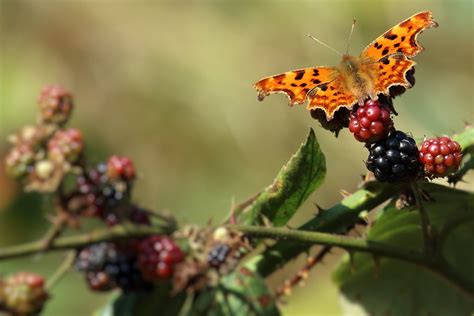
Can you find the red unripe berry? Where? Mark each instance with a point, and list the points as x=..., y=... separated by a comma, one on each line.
x=157, y=256
x=373, y=112
x=120, y=168
x=66, y=145
x=55, y=104
x=440, y=156
x=371, y=122
x=23, y=293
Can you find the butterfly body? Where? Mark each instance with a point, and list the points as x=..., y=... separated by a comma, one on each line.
x=357, y=76
x=382, y=64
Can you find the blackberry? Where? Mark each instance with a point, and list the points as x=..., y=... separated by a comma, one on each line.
x=120, y=168
x=23, y=293
x=157, y=257
x=440, y=156
x=218, y=255
x=107, y=266
x=370, y=122
x=394, y=159
x=125, y=273
x=55, y=104
x=102, y=197
x=66, y=145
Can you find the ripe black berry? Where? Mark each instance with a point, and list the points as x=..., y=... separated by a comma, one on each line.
x=102, y=196
x=106, y=265
x=394, y=159
x=218, y=255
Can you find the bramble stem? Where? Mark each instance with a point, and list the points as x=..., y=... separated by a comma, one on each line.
x=78, y=241
x=61, y=271
x=54, y=231
x=438, y=266
x=425, y=221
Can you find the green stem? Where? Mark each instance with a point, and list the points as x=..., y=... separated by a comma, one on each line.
x=79, y=241
x=425, y=221
x=61, y=271
x=439, y=267
x=336, y=219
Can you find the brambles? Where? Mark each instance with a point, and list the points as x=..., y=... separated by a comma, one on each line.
x=144, y=251
x=371, y=122
x=440, y=156
x=394, y=159
x=157, y=256
x=22, y=293
x=108, y=265
x=44, y=154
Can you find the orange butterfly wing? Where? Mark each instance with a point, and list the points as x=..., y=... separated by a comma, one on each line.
x=389, y=55
x=392, y=71
x=296, y=84
x=331, y=97
x=400, y=39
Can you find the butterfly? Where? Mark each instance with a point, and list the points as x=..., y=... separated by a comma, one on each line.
x=382, y=64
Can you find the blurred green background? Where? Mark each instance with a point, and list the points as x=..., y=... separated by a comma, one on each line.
x=169, y=84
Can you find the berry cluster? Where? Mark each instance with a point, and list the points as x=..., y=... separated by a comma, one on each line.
x=130, y=266
x=394, y=158
x=218, y=255
x=42, y=155
x=440, y=156
x=55, y=105
x=156, y=257
x=103, y=196
x=108, y=265
x=370, y=122
x=22, y=293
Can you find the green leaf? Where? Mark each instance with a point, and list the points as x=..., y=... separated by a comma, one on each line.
x=294, y=183
x=392, y=287
x=157, y=302
x=241, y=293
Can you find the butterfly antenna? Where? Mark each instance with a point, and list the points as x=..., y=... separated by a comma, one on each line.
x=324, y=44
x=350, y=36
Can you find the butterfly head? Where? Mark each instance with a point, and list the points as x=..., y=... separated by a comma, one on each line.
x=349, y=64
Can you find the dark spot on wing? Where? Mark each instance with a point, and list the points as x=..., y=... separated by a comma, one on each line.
x=299, y=74
x=316, y=81
x=403, y=38
x=396, y=45
x=315, y=72
x=385, y=51
x=390, y=36
x=386, y=61
x=294, y=85
x=323, y=88
x=303, y=85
